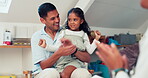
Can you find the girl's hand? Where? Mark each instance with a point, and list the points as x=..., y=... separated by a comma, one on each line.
x=97, y=34
x=42, y=43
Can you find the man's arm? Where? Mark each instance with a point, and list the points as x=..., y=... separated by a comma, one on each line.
x=49, y=62
x=83, y=56
x=64, y=50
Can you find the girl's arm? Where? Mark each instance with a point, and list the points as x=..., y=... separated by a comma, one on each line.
x=90, y=47
x=54, y=47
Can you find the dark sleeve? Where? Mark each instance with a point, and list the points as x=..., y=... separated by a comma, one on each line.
x=132, y=53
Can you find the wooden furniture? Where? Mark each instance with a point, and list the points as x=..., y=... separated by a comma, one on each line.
x=28, y=74
x=12, y=46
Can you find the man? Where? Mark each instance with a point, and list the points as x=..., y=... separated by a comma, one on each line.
x=118, y=64
x=45, y=61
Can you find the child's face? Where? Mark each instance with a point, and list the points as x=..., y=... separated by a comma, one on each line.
x=74, y=22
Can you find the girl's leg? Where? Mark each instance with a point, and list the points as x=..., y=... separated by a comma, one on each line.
x=66, y=73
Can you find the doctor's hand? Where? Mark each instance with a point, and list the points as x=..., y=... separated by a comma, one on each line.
x=111, y=56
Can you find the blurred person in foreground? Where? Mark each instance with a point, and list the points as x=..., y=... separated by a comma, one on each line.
x=118, y=64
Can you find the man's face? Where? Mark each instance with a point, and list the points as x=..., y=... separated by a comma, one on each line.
x=52, y=20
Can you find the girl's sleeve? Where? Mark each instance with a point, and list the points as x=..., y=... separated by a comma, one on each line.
x=90, y=47
x=51, y=48
x=54, y=47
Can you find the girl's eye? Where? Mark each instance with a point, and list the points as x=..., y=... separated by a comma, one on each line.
x=68, y=19
x=75, y=19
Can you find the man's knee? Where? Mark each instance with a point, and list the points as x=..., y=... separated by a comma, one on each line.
x=80, y=73
x=48, y=73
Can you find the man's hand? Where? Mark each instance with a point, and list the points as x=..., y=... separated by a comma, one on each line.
x=42, y=43
x=67, y=48
x=66, y=42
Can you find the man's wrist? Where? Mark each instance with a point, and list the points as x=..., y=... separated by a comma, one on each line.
x=73, y=54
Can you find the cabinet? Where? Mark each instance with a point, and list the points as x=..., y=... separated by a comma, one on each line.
x=15, y=59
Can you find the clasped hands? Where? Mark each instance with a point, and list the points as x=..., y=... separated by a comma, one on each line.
x=67, y=48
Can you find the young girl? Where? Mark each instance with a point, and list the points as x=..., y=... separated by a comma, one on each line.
x=77, y=31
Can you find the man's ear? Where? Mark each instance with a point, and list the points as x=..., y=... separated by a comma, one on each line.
x=42, y=20
x=82, y=21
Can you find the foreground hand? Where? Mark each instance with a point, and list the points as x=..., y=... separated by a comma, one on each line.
x=111, y=56
x=42, y=43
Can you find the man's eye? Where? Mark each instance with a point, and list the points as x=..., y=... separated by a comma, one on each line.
x=58, y=16
x=52, y=18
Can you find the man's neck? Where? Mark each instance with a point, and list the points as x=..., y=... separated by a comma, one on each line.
x=51, y=33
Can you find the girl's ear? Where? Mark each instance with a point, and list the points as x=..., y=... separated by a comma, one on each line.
x=42, y=20
x=82, y=21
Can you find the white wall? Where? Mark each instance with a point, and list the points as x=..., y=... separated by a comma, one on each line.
x=21, y=30
x=112, y=31
x=144, y=27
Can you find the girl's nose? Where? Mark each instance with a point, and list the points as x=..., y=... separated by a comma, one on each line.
x=71, y=21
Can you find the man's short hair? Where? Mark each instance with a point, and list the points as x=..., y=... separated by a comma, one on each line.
x=45, y=8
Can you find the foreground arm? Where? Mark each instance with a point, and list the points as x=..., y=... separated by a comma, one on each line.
x=144, y=3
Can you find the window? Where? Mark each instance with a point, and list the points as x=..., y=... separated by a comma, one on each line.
x=4, y=6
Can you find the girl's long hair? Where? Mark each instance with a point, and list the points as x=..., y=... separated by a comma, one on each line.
x=84, y=26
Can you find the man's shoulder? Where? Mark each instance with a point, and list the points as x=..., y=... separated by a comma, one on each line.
x=37, y=33
x=61, y=29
